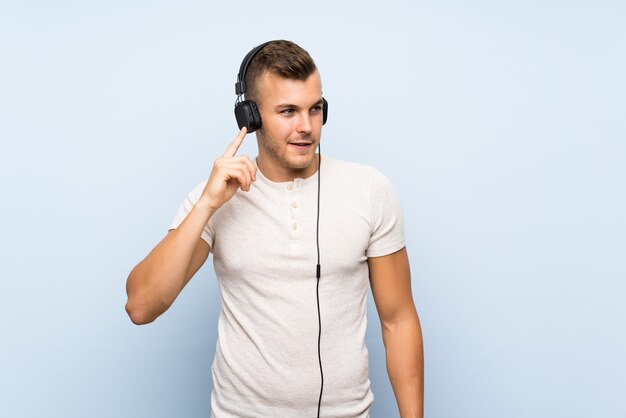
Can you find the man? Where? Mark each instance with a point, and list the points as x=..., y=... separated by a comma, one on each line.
x=291, y=340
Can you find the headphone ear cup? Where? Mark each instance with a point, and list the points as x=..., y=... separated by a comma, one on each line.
x=247, y=114
x=324, y=111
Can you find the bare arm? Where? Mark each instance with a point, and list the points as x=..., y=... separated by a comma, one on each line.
x=158, y=279
x=390, y=279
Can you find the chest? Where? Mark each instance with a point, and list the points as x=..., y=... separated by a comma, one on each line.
x=279, y=228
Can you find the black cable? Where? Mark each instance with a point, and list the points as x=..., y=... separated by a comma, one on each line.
x=318, y=275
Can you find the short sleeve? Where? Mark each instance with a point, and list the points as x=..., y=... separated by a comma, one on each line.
x=386, y=219
x=184, y=209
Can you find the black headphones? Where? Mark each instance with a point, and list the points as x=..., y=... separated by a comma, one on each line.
x=246, y=111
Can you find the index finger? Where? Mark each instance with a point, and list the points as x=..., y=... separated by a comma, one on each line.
x=234, y=146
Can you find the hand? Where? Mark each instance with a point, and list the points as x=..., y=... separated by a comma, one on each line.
x=230, y=172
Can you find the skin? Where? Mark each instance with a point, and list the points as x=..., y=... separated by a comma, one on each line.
x=292, y=114
x=390, y=280
x=291, y=111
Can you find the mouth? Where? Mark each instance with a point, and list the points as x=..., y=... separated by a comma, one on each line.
x=301, y=144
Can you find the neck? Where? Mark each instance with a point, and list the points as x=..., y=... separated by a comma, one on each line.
x=281, y=174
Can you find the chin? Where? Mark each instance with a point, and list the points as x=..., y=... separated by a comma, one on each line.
x=302, y=162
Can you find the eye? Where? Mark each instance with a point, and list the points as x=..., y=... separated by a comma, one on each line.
x=316, y=109
x=287, y=112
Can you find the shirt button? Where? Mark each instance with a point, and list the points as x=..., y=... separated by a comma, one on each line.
x=290, y=187
x=294, y=226
x=294, y=205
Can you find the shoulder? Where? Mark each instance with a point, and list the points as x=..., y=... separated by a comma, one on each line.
x=193, y=195
x=199, y=188
x=335, y=165
x=354, y=173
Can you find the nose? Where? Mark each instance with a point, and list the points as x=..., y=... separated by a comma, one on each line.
x=304, y=123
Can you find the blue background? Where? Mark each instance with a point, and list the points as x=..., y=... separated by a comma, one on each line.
x=501, y=124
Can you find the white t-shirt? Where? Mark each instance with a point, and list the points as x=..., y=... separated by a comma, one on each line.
x=264, y=253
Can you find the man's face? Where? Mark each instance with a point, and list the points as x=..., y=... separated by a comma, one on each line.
x=291, y=114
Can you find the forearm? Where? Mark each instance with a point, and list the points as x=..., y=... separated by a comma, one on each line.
x=405, y=365
x=156, y=281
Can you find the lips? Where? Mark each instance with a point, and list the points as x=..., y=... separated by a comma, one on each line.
x=301, y=144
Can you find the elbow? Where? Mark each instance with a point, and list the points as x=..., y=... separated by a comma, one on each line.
x=136, y=306
x=137, y=315
x=401, y=323
x=144, y=303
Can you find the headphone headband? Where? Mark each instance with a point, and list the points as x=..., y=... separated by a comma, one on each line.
x=240, y=85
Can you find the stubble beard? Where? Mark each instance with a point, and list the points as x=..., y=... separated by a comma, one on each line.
x=273, y=151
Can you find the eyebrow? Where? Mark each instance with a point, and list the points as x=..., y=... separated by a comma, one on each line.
x=287, y=105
